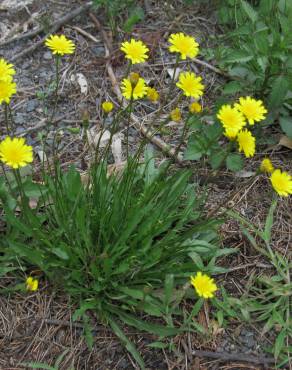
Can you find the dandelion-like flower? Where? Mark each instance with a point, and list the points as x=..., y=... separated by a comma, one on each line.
x=107, y=106
x=136, y=92
x=175, y=115
x=266, y=166
x=183, y=44
x=190, y=84
x=152, y=94
x=232, y=120
x=135, y=50
x=7, y=89
x=204, y=285
x=31, y=284
x=246, y=142
x=6, y=70
x=15, y=153
x=60, y=45
x=195, y=107
x=253, y=109
x=281, y=182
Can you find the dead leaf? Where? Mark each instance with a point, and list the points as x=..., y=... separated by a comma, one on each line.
x=82, y=82
x=170, y=72
x=286, y=142
x=96, y=138
x=244, y=174
x=117, y=147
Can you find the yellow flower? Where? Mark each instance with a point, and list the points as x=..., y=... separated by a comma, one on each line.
x=6, y=70
x=175, y=115
x=246, y=142
x=7, y=89
x=107, y=106
x=135, y=50
x=190, y=84
x=204, y=285
x=32, y=284
x=152, y=94
x=195, y=107
x=60, y=45
x=183, y=44
x=266, y=166
x=137, y=92
x=15, y=153
x=281, y=182
x=253, y=109
x=232, y=120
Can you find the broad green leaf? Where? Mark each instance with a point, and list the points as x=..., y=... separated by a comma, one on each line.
x=232, y=88
x=234, y=162
x=249, y=10
x=194, y=149
x=279, y=90
x=217, y=159
x=286, y=125
x=238, y=56
x=60, y=253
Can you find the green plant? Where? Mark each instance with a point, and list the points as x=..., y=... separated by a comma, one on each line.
x=112, y=243
x=256, y=52
x=267, y=298
x=125, y=12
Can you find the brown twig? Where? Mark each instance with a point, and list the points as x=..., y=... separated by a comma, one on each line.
x=136, y=121
x=225, y=356
x=59, y=23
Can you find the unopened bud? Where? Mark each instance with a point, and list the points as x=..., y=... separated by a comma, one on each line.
x=134, y=78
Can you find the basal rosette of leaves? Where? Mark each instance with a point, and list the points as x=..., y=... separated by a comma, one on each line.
x=111, y=245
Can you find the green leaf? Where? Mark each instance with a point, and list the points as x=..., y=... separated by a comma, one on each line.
x=194, y=149
x=238, y=56
x=160, y=345
x=129, y=345
x=269, y=222
x=250, y=12
x=232, y=88
x=286, y=125
x=279, y=344
x=234, y=162
x=279, y=90
x=60, y=253
x=136, y=15
x=216, y=159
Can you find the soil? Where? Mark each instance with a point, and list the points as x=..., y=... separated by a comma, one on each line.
x=39, y=327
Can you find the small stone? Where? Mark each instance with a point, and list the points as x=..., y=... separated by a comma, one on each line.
x=32, y=105
x=19, y=118
x=48, y=55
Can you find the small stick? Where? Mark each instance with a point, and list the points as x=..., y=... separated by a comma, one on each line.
x=67, y=18
x=225, y=356
x=137, y=124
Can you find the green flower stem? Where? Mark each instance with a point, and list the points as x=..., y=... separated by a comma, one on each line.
x=183, y=135
x=173, y=77
x=130, y=109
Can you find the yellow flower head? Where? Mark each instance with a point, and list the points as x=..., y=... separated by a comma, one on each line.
x=152, y=94
x=195, y=107
x=190, y=84
x=281, y=182
x=135, y=50
x=107, y=106
x=183, y=44
x=266, y=166
x=246, y=142
x=15, y=153
x=232, y=120
x=204, y=285
x=175, y=115
x=253, y=109
x=6, y=70
x=7, y=89
x=32, y=284
x=60, y=44
x=136, y=92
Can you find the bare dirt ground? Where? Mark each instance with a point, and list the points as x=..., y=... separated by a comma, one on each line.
x=39, y=327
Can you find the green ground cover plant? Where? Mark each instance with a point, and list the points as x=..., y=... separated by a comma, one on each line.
x=255, y=50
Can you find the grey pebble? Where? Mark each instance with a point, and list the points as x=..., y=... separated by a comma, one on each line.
x=48, y=55
x=19, y=118
x=32, y=105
